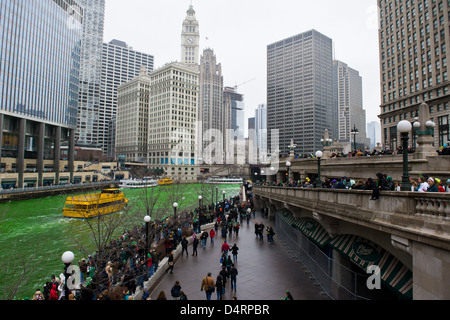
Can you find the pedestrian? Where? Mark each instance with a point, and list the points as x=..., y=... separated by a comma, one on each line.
x=208, y=285
x=171, y=263
x=212, y=234
x=288, y=296
x=219, y=287
x=256, y=229
x=261, y=231
x=194, y=246
x=437, y=181
x=224, y=231
x=234, y=252
x=431, y=185
x=237, y=226
x=381, y=185
x=38, y=295
x=228, y=263
x=149, y=265
x=176, y=290
x=224, y=273
x=447, y=187
x=161, y=295
x=225, y=247
x=155, y=260
x=204, y=237
x=184, y=245
x=233, y=273
x=270, y=234
x=54, y=292
x=423, y=185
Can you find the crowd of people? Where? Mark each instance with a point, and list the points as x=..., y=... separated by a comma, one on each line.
x=423, y=183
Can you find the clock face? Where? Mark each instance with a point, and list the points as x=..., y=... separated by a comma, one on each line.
x=189, y=40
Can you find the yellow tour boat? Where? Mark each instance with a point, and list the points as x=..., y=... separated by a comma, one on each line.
x=165, y=181
x=93, y=205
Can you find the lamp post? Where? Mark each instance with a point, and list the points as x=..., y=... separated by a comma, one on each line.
x=224, y=192
x=217, y=193
x=319, y=155
x=288, y=165
x=200, y=202
x=404, y=127
x=175, y=205
x=147, y=220
x=354, y=132
x=67, y=259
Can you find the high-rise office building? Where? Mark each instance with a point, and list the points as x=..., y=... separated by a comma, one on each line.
x=300, y=91
x=190, y=38
x=39, y=79
x=120, y=63
x=211, y=111
x=173, y=120
x=261, y=128
x=374, y=133
x=235, y=102
x=413, y=39
x=87, y=133
x=348, y=105
x=132, y=122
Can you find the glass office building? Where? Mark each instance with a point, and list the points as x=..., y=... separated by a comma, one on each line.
x=39, y=79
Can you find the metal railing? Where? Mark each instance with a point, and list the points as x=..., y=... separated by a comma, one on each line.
x=55, y=187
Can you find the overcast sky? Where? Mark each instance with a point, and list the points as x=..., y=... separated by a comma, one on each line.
x=239, y=31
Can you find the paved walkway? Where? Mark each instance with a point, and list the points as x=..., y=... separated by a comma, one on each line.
x=266, y=270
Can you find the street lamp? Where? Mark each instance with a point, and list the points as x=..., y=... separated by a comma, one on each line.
x=175, y=205
x=354, y=132
x=288, y=164
x=217, y=192
x=404, y=127
x=319, y=155
x=67, y=259
x=147, y=220
x=200, y=202
x=223, y=192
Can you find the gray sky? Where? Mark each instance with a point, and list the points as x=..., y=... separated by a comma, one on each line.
x=239, y=31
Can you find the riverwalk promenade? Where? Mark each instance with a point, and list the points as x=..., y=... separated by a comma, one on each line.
x=265, y=271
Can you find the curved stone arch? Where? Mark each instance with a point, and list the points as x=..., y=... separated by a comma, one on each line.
x=360, y=251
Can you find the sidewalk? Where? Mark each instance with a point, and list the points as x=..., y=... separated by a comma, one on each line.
x=266, y=270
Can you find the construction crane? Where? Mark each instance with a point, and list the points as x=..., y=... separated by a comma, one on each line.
x=241, y=84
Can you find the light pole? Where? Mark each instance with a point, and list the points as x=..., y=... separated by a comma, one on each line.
x=288, y=165
x=175, y=205
x=404, y=127
x=224, y=192
x=217, y=193
x=147, y=220
x=354, y=132
x=67, y=259
x=319, y=155
x=200, y=202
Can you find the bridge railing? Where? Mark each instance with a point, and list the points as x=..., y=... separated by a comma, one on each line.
x=432, y=205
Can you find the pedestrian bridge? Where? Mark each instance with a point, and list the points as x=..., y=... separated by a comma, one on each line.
x=405, y=234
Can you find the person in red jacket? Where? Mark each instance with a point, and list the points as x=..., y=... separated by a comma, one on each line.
x=54, y=293
x=225, y=247
x=212, y=234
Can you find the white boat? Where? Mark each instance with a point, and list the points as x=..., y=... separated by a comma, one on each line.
x=137, y=183
x=224, y=180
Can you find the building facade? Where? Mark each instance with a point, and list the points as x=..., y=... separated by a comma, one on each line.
x=348, y=106
x=211, y=111
x=120, y=63
x=173, y=109
x=261, y=128
x=87, y=133
x=300, y=91
x=132, y=122
x=413, y=40
x=39, y=81
x=234, y=102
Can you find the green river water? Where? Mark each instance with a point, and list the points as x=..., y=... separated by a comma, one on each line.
x=34, y=232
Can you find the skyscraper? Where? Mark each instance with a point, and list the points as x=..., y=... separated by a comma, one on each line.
x=39, y=79
x=132, y=122
x=413, y=39
x=348, y=104
x=211, y=111
x=234, y=101
x=261, y=128
x=173, y=120
x=87, y=133
x=120, y=63
x=300, y=91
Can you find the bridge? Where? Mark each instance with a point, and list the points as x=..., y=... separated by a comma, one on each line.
x=404, y=234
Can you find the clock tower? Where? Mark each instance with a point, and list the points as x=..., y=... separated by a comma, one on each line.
x=190, y=39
